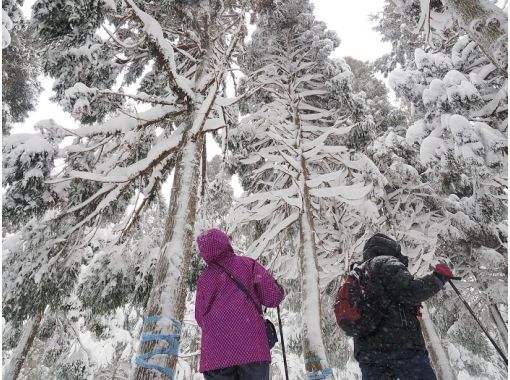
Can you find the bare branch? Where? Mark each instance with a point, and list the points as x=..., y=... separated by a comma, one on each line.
x=123, y=44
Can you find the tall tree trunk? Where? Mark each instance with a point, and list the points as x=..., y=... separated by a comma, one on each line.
x=486, y=24
x=168, y=295
x=20, y=353
x=194, y=347
x=169, y=289
x=314, y=353
x=438, y=355
x=500, y=324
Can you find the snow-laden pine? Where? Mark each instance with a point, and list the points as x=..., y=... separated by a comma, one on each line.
x=455, y=94
x=90, y=247
x=290, y=147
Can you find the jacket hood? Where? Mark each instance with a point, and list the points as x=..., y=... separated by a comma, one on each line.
x=381, y=245
x=214, y=245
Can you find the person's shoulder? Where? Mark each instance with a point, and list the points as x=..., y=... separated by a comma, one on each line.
x=384, y=264
x=383, y=260
x=243, y=261
x=250, y=263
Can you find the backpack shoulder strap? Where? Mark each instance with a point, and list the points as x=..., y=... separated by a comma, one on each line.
x=241, y=287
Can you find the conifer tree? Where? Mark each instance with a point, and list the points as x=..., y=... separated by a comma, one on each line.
x=288, y=143
x=20, y=66
x=454, y=93
x=120, y=152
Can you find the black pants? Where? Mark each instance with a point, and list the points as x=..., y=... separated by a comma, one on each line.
x=402, y=365
x=249, y=371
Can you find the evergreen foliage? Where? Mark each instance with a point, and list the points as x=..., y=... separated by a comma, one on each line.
x=20, y=67
x=90, y=246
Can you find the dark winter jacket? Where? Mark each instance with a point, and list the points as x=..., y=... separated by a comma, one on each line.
x=392, y=299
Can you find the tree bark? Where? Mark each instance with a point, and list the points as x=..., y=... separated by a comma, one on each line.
x=438, y=355
x=486, y=24
x=314, y=353
x=169, y=291
x=20, y=353
x=194, y=360
x=171, y=274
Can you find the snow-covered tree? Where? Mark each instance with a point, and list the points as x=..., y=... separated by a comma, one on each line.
x=20, y=66
x=286, y=143
x=397, y=25
x=459, y=122
x=456, y=97
x=373, y=95
x=181, y=60
x=92, y=258
x=218, y=195
x=28, y=162
x=485, y=23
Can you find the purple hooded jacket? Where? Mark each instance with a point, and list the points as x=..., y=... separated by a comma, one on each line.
x=233, y=331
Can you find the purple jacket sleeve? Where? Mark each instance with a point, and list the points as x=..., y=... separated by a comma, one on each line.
x=266, y=287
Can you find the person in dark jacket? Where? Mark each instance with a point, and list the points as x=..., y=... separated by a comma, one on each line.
x=394, y=348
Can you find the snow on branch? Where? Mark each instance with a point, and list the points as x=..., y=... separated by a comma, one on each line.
x=122, y=43
x=316, y=115
x=110, y=197
x=250, y=160
x=98, y=177
x=271, y=232
x=278, y=138
x=154, y=181
x=125, y=123
x=284, y=194
x=317, y=180
x=104, y=190
x=227, y=102
x=142, y=97
x=260, y=212
x=311, y=147
x=157, y=153
x=291, y=160
x=214, y=125
x=271, y=167
x=205, y=108
x=306, y=93
x=181, y=85
x=276, y=158
x=352, y=194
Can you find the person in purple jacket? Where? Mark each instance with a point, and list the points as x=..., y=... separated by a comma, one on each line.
x=234, y=342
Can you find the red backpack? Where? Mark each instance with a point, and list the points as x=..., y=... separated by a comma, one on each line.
x=350, y=299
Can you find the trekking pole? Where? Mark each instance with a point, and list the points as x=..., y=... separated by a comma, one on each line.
x=479, y=323
x=283, y=344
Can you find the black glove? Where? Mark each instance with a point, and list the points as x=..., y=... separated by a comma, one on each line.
x=444, y=273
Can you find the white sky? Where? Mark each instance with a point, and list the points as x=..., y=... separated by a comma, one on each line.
x=350, y=19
